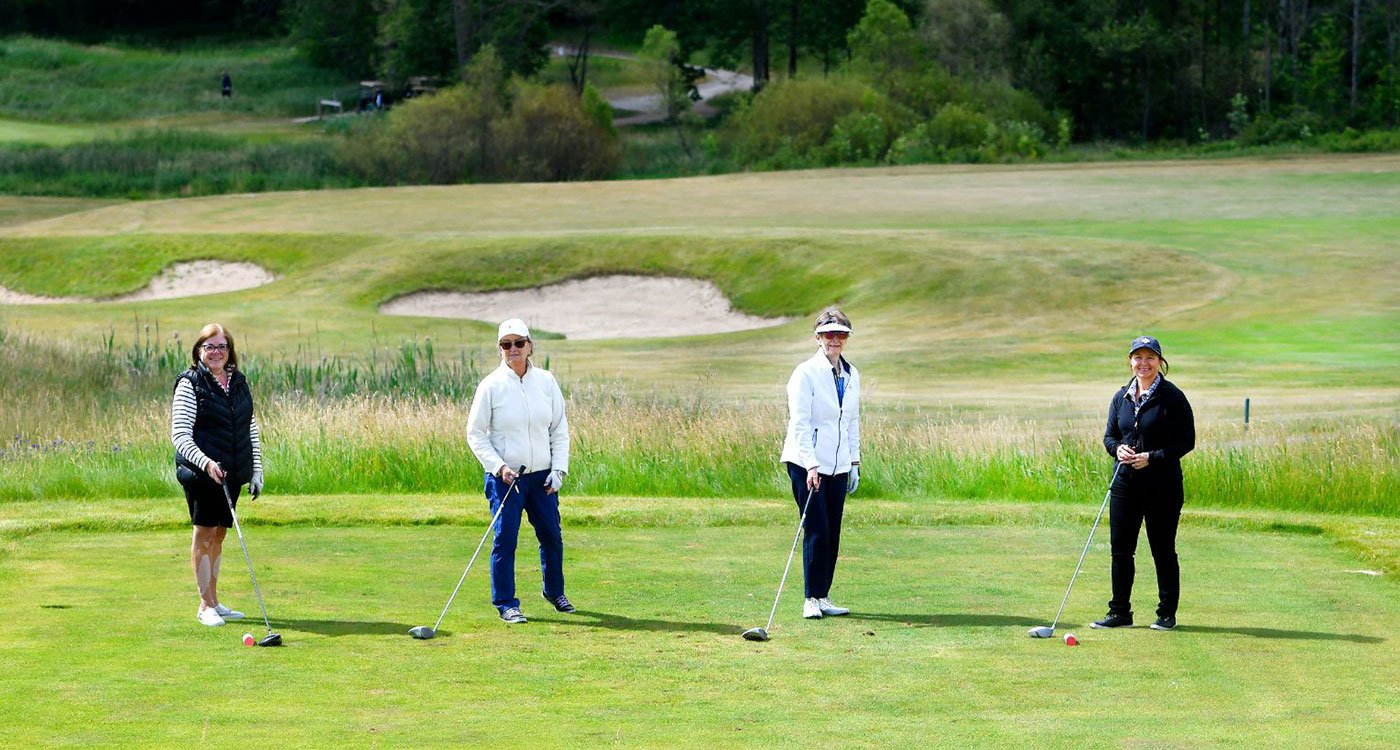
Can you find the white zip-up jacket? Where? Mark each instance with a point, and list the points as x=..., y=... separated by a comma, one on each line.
x=515, y=421
x=822, y=432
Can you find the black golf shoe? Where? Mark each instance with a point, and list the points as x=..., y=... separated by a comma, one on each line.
x=1112, y=620
x=561, y=603
x=1164, y=623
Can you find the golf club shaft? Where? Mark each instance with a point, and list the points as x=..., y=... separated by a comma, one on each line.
x=801, y=520
x=246, y=558
x=479, y=545
x=1087, y=542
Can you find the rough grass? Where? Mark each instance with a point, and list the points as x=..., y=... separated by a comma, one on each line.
x=62, y=82
x=653, y=658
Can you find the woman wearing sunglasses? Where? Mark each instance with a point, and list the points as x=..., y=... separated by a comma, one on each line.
x=517, y=419
x=216, y=444
x=822, y=454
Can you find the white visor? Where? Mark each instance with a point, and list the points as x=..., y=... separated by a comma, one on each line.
x=832, y=326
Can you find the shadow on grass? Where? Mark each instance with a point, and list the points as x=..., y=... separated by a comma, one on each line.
x=590, y=619
x=1293, y=635
x=968, y=620
x=947, y=620
x=339, y=627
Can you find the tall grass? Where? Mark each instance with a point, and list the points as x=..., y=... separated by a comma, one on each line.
x=58, y=81
x=172, y=163
x=396, y=425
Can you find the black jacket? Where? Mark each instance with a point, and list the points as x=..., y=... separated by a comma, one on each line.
x=221, y=426
x=1164, y=427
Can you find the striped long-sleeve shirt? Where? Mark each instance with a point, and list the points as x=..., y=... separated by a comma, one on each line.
x=183, y=411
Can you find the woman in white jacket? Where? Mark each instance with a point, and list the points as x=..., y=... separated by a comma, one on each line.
x=822, y=454
x=517, y=419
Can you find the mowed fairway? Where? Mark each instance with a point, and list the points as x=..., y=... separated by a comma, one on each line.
x=992, y=306
x=1285, y=645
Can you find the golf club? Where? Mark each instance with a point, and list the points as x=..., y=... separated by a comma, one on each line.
x=1048, y=631
x=271, y=639
x=761, y=634
x=423, y=632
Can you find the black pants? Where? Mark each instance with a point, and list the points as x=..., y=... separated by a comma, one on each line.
x=1127, y=511
x=821, y=539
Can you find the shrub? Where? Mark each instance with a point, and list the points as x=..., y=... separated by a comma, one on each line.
x=1266, y=129
x=549, y=136
x=858, y=137
x=956, y=127
x=789, y=122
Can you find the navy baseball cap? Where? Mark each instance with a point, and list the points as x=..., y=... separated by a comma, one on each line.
x=1146, y=342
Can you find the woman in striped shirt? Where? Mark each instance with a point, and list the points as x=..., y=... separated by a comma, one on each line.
x=216, y=443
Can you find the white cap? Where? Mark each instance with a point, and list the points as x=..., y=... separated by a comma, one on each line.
x=513, y=326
x=832, y=326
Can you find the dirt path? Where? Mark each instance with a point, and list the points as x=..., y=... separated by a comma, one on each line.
x=648, y=106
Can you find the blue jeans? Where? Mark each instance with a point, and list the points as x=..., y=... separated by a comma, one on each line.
x=543, y=511
x=821, y=540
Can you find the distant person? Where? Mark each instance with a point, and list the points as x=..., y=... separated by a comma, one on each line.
x=1150, y=427
x=216, y=444
x=822, y=454
x=226, y=84
x=517, y=419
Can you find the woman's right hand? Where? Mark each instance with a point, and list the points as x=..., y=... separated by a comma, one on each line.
x=215, y=472
x=1126, y=454
x=508, y=475
x=813, y=480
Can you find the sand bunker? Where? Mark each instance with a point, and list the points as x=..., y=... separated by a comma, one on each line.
x=185, y=279
x=605, y=307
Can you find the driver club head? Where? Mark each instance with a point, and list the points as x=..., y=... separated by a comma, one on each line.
x=422, y=632
x=755, y=634
x=1044, y=631
x=271, y=639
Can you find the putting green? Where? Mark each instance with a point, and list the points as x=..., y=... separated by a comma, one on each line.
x=1281, y=644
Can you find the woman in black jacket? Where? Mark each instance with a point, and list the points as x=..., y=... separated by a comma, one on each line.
x=1150, y=427
x=216, y=444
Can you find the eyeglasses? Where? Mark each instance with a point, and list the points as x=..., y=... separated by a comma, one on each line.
x=517, y=343
x=839, y=335
x=214, y=347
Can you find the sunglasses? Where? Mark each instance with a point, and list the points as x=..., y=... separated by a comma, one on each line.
x=829, y=335
x=518, y=344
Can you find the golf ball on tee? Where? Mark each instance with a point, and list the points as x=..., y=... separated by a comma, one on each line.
x=247, y=639
x=1070, y=640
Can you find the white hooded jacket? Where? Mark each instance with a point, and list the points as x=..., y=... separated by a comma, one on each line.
x=822, y=431
x=519, y=420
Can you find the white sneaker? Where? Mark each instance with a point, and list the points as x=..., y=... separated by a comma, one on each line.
x=825, y=605
x=208, y=616
x=811, y=609
x=228, y=614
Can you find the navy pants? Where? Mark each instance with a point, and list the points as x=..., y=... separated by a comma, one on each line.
x=1128, y=511
x=821, y=540
x=543, y=511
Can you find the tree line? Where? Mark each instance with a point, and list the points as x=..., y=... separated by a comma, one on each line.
x=1115, y=69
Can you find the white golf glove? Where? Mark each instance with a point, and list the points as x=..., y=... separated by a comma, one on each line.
x=853, y=481
x=255, y=486
x=554, y=481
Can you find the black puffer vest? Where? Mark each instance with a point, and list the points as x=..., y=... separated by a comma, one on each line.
x=221, y=425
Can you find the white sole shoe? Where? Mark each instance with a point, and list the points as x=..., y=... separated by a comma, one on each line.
x=209, y=617
x=831, y=610
x=228, y=614
x=811, y=610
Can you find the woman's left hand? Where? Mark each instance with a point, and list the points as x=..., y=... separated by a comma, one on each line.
x=1139, y=460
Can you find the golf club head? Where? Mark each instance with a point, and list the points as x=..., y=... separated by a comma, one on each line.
x=1044, y=631
x=755, y=634
x=422, y=632
x=272, y=639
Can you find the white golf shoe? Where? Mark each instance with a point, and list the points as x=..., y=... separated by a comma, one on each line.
x=831, y=610
x=228, y=614
x=812, y=609
x=207, y=616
